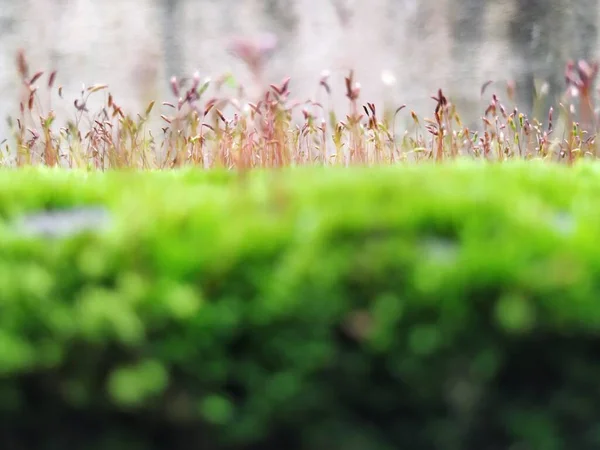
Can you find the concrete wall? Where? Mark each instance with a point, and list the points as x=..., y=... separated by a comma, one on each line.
x=136, y=45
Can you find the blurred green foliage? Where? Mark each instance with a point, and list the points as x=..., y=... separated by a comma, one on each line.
x=431, y=307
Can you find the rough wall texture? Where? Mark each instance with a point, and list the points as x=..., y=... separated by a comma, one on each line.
x=136, y=45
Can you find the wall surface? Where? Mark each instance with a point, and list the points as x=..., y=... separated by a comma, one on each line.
x=134, y=46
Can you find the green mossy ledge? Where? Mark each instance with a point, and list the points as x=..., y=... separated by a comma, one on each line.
x=433, y=307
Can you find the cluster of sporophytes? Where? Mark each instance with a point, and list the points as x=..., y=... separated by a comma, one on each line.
x=232, y=132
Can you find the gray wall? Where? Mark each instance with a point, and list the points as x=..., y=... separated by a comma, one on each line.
x=136, y=45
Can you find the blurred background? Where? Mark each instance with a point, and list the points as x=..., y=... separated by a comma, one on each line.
x=402, y=50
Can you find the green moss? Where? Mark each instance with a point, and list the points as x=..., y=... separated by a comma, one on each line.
x=423, y=307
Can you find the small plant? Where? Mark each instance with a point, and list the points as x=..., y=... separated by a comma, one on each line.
x=218, y=128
